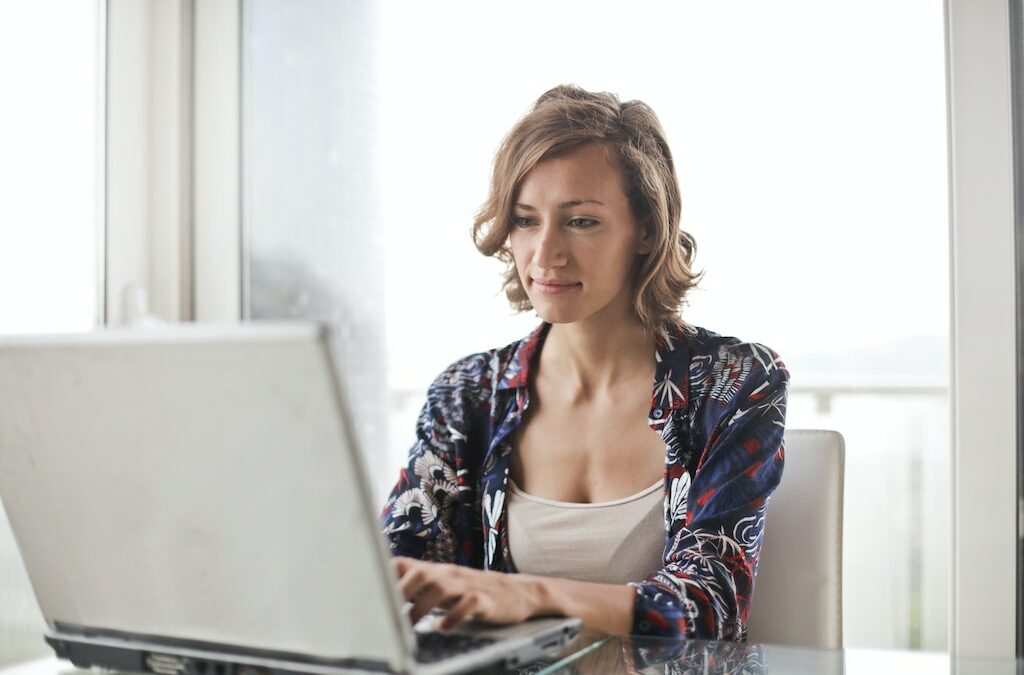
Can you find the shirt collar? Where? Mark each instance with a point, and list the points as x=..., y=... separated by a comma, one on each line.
x=671, y=374
x=517, y=372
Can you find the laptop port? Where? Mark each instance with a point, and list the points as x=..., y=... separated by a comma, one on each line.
x=167, y=664
x=251, y=670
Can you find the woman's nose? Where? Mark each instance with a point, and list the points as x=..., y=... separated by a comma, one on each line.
x=550, y=251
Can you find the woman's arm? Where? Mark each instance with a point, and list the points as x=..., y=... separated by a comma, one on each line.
x=429, y=514
x=605, y=608
x=705, y=588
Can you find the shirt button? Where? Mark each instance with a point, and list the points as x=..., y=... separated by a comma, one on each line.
x=658, y=414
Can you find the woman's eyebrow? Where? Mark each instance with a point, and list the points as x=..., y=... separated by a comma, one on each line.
x=564, y=205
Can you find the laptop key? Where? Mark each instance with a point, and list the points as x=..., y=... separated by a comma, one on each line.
x=434, y=646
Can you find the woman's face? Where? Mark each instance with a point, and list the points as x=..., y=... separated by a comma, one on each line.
x=574, y=238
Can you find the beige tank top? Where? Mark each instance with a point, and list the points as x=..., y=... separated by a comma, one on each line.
x=609, y=542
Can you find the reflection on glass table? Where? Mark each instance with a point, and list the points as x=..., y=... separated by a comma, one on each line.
x=594, y=654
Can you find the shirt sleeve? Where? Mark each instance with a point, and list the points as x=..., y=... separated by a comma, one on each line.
x=428, y=514
x=704, y=590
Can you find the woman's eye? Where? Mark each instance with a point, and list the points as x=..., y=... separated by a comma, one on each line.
x=582, y=222
x=522, y=221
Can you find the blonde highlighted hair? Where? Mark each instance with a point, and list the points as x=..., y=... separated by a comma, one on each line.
x=563, y=119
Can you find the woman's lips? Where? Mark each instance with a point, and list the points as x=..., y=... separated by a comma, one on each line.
x=555, y=287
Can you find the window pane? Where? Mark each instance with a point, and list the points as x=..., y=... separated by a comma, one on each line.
x=310, y=177
x=48, y=247
x=810, y=143
x=49, y=273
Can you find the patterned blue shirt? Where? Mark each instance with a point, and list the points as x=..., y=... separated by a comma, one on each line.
x=720, y=406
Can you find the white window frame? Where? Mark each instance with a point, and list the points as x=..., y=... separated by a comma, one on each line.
x=217, y=215
x=172, y=196
x=983, y=329
x=146, y=199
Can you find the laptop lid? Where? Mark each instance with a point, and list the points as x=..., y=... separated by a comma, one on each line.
x=181, y=481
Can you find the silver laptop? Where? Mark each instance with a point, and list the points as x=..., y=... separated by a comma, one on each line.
x=189, y=500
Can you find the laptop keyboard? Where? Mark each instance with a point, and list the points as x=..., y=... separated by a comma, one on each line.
x=435, y=646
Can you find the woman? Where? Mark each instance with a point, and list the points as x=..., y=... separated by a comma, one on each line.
x=638, y=508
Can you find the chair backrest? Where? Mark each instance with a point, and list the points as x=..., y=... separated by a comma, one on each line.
x=798, y=591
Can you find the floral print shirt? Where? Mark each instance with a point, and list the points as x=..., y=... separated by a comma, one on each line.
x=720, y=406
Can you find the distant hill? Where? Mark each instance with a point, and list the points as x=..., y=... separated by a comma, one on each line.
x=913, y=361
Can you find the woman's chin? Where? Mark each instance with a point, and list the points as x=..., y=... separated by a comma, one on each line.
x=559, y=315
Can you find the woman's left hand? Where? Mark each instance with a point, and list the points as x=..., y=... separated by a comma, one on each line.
x=493, y=597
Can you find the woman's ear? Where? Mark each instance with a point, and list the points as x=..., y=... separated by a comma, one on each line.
x=646, y=243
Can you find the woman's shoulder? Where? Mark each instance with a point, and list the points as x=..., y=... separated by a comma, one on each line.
x=715, y=357
x=482, y=373
x=706, y=341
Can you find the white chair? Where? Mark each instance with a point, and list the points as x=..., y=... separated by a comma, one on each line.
x=798, y=592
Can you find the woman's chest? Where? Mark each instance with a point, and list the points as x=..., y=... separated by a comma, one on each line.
x=586, y=454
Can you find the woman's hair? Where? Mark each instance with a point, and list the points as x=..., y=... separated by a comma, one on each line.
x=563, y=119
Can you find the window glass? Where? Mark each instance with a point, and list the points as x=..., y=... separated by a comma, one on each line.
x=49, y=273
x=313, y=233
x=810, y=144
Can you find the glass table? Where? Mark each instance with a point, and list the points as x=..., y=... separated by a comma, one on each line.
x=593, y=654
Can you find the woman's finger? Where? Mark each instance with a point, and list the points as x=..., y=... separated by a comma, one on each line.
x=400, y=565
x=415, y=578
x=461, y=610
x=430, y=596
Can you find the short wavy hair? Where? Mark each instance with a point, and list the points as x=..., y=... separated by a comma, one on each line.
x=563, y=119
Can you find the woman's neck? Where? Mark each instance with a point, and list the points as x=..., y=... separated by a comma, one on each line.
x=593, y=359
